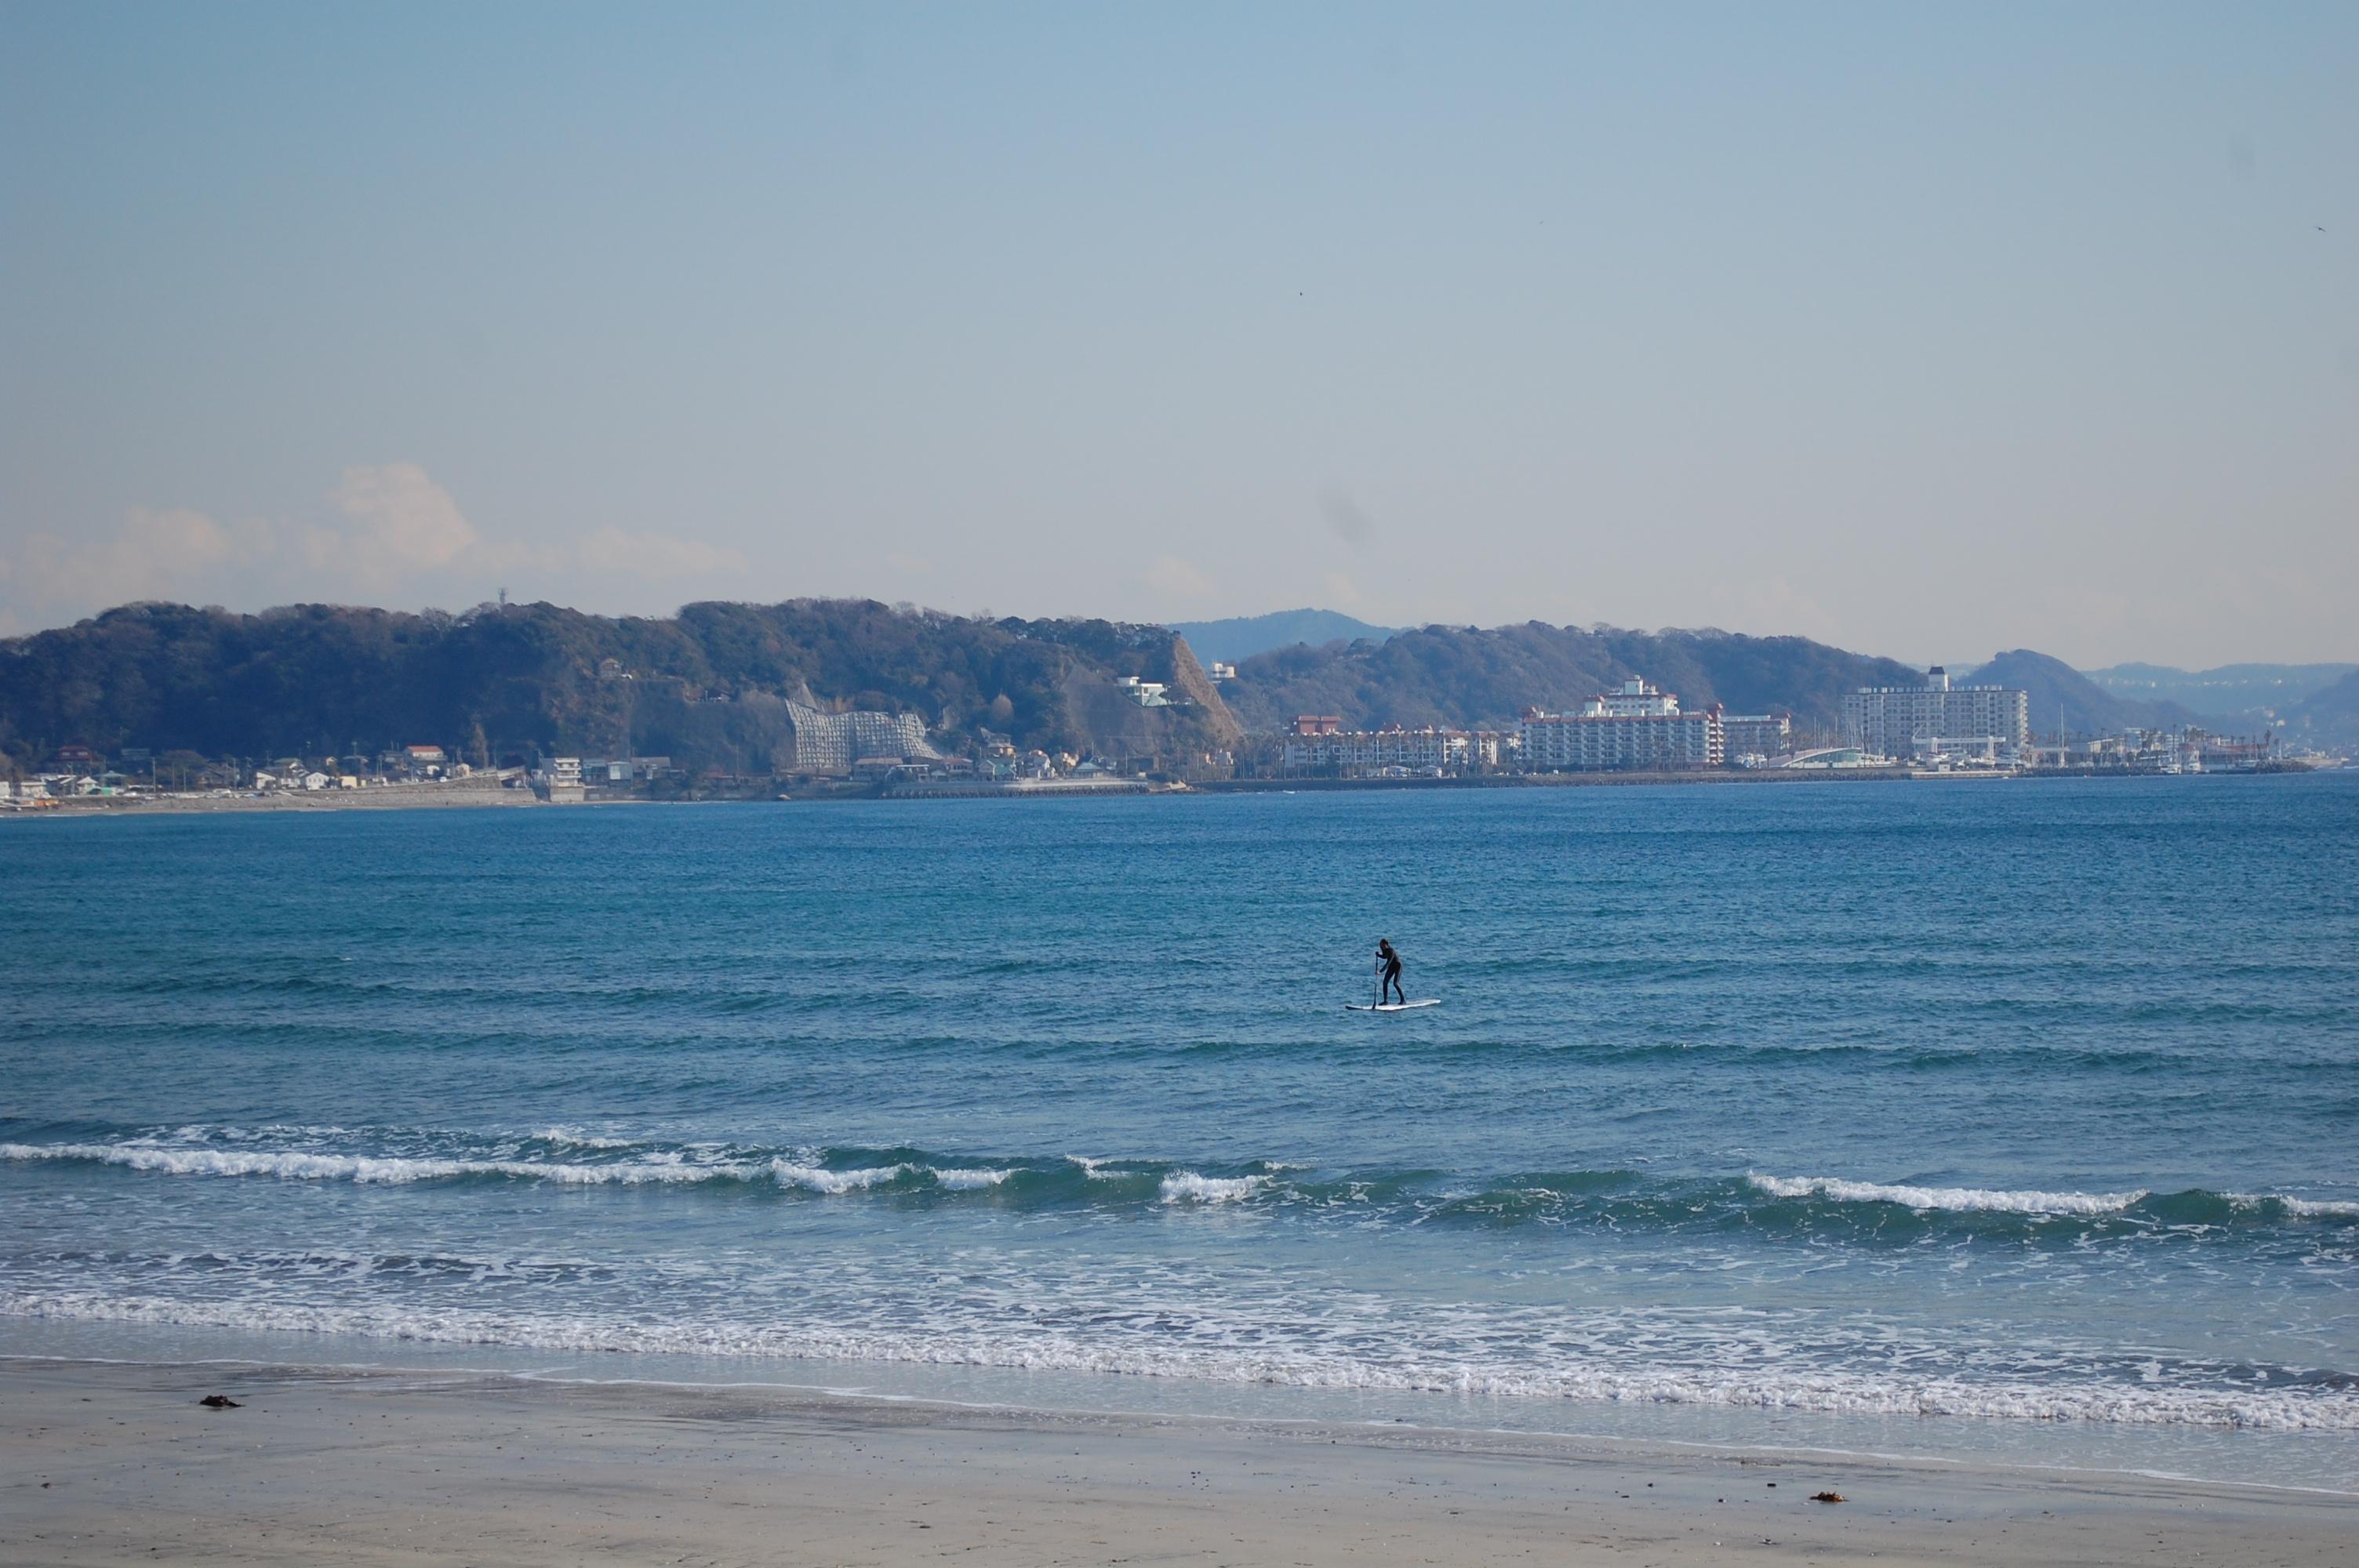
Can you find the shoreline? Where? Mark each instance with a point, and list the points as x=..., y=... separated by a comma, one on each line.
x=107, y=1461
x=428, y=798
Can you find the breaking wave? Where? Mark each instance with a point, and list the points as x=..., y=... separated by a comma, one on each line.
x=1959, y=1200
x=1871, y=1213
x=302, y=1165
x=2287, y=1402
x=1187, y=1186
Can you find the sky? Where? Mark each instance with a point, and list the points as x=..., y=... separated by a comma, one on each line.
x=1926, y=331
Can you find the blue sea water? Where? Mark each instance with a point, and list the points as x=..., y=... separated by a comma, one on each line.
x=2010, y=1119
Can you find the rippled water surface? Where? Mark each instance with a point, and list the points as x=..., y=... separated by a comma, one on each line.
x=2013, y=1119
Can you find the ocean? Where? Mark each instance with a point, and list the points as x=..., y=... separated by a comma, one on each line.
x=2007, y=1121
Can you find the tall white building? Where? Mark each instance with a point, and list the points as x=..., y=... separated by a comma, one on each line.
x=1633, y=727
x=1993, y=722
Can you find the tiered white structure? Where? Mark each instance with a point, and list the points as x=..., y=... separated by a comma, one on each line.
x=1633, y=727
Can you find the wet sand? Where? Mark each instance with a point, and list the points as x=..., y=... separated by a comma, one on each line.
x=116, y=1463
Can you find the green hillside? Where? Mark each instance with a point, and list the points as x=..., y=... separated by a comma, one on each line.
x=1467, y=677
x=704, y=685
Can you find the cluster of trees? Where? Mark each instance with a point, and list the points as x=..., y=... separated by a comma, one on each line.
x=501, y=681
x=1465, y=677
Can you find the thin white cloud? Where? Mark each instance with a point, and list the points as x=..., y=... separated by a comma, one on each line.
x=396, y=522
x=153, y=554
x=1771, y=606
x=1344, y=591
x=1176, y=579
x=661, y=557
x=391, y=534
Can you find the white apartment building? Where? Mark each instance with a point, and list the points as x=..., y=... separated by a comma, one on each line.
x=1635, y=726
x=1761, y=734
x=1988, y=721
x=1358, y=750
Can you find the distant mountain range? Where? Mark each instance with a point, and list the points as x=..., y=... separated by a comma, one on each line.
x=707, y=686
x=1470, y=678
x=2328, y=717
x=2129, y=696
x=2228, y=691
x=2063, y=697
x=1241, y=637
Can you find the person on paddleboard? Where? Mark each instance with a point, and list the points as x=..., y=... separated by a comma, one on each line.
x=1391, y=962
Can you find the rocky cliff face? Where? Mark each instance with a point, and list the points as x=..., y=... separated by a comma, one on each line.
x=1190, y=682
x=1101, y=708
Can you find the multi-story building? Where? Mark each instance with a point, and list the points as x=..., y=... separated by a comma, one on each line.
x=1633, y=727
x=555, y=779
x=1756, y=734
x=1937, y=717
x=1357, y=750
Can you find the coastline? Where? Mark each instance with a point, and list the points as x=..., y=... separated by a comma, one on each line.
x=110, y=1461
x=431, y=797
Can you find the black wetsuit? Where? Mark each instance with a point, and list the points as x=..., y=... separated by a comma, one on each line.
x=1392, y=986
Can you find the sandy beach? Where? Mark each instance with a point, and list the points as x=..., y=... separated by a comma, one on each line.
x=116, y=1463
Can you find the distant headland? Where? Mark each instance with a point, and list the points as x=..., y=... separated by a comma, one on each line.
x=830, y=696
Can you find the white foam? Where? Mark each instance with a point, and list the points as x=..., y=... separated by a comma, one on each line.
x=298, y=1165
x=1960, y=1199
x=1187, y=1186
x=1307, y=1367
x=665, y=1166
x=581, y=1139
x=2301, y=1208
x=817, y=1179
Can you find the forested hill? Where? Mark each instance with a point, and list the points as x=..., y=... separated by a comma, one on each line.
x=2064, y=699
x=505, y=681
x=1241, y=637
x=1463, y=677
x=2329, y=716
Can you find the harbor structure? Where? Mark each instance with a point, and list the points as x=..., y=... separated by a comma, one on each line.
x=1635, y=726
x=1989, y=723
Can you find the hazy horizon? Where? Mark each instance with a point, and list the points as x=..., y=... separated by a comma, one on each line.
x=1920, y=333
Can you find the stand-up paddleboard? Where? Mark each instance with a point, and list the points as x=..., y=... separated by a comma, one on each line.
x=1376, y=1002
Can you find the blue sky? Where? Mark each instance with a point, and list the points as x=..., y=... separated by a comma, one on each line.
x=1926, y=331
